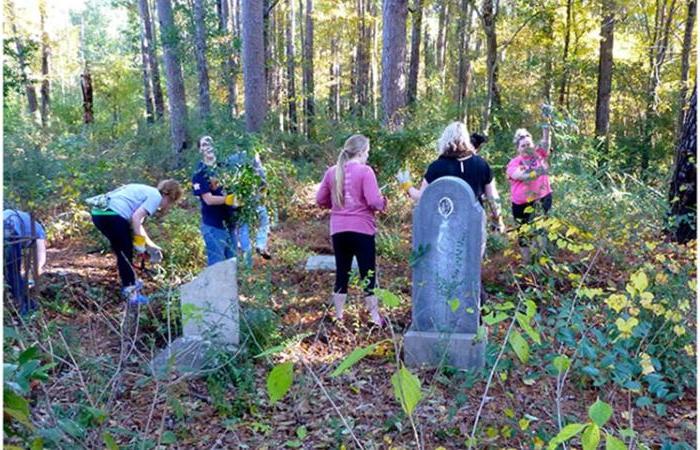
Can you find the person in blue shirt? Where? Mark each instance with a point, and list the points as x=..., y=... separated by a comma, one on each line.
x=218, y=208
x=19, y=234
x=237, y=161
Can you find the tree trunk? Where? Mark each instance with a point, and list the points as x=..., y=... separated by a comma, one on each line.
x=441, y=42
x=417, y=16
x=464, y=67
x=685, y=65
x=45, y=54
x=146, y=73
x=173, y=80
x=663, y=18
x=86, y=89
x=334, y=92
x=605, y=72
x=150, y=45
x=364, y=31
x=683, y=191
x=565, y=57
x=374, y=70
x=253, y=64
x=428, y=56
x=309, y=69
x=493, y=101
x=228, y=65
x=200, y=50
x=291, y=82
x=393, y=62
x=30, y=91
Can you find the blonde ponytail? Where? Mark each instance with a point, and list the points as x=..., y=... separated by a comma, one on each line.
x=354, y=146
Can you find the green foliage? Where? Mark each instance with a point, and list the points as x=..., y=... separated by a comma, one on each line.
x=407, y=389
x=279, y=380
x=354, y=357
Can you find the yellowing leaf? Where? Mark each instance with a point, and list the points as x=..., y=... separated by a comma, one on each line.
x=279, y=380
x=640, y=281
x=407, y=389
x=626, y=326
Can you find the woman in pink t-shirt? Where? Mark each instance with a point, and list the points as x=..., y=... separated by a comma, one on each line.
x=527, y=174
x=349, y=189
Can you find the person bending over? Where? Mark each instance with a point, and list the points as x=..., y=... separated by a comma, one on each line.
x=119, y=215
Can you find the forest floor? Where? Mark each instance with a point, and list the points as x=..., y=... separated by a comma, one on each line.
x=314, y=412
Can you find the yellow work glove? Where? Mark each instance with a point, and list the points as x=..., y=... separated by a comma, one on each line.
x=404, y=179
x=231, y=200
x=139, y=243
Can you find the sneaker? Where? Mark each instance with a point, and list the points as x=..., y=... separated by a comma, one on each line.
x=264, y=253
x=134, y=296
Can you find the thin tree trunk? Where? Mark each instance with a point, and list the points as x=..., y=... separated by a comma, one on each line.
x=30, y=91
x=363, y=57
x=464, y=67
x=493, y=102
x=45, y=55
x=605, y=72
x=308, y=72
x=200, y=50
x=393, y=62
x=547, y=75
x=565, y=57
x=685, y=65
x=173, y=80
x=228, y=65
x=428, y=57
x=254, y=64
x=334, y=92
x=442, y=34
x=146, y=73
x=683, y=191
x=291, y=82
x=417, y=16
x=150, y=44
x=374, y=70
x=657, y=58
x=86, y=89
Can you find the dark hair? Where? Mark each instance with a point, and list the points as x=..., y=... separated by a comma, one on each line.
x=477, y=140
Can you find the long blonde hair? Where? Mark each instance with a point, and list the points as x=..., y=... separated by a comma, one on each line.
x=455, y=141
x=354, y=146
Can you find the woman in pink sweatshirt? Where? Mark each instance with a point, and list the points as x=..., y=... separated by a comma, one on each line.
x=349, y=189
x=528, y=177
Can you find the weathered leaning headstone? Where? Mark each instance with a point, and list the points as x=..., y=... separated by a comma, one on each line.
x=210, y=317
x=448, y=235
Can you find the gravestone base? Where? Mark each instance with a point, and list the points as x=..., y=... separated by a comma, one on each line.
x=325, y=263
x=432, y=349
x=188, y=356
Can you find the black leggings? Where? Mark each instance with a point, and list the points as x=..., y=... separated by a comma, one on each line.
x=118, y=230
x=346, y=245
x=522, y=217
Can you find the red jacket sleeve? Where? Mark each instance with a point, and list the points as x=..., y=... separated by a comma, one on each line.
x=370, y=190
x=323, y=196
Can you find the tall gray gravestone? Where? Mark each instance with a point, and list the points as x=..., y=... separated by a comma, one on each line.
x=210, y=317
x=448, y=238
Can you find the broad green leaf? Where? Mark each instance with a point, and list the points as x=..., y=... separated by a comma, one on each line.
x=531, y=309
x=561, y=363
x=523, y=424
x=109, y=441
x=29, y=354
x=389, y=299
x=494, y=318
x=504, y=306
x=600, y=412
x=407, y=389
x=168, y=438
x=640, y=281
x=480, y=334
x=565, y=434
x=302, y=432
x=524, y=323
x=354, y=357
x=37, y=444
x=613, y=443
x=279, y=380
x=16, y=407
x=590, y=437
x=454, y=304
x=520, y=346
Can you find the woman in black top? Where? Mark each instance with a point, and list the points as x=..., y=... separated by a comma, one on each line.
x=457, y=158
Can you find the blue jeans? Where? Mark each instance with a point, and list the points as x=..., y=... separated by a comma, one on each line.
x=260, y=236
x=14, y=280
x=220, y=243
